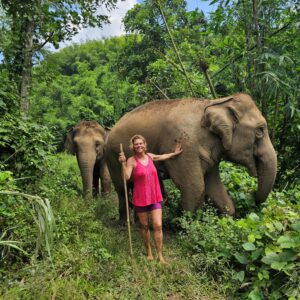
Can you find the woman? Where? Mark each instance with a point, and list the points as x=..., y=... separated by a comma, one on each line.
x=147, y=196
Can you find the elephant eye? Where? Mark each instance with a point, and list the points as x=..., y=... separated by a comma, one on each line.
x=98, y=145
x=260, y=132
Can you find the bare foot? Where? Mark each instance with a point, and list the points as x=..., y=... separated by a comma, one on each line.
x=162, y=260
x=150, y=257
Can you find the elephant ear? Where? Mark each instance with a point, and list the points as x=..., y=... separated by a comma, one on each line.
x=221, y=118
x=69, y=144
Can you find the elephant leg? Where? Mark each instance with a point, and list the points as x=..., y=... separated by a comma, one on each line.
x=96, y=177
x=188, y=177
x=161, y=176
x=105, y=179
x=192, y=196
x=216, y=191
x=122, y=205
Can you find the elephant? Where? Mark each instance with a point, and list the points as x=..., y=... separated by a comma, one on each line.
x=230, y=128
x=87, y=141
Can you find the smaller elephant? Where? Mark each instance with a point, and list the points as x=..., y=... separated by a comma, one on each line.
x=87, y=141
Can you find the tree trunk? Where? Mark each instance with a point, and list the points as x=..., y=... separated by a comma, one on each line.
x=275, y=120
x=26, y=68
x=258, y=65
x=248, y=37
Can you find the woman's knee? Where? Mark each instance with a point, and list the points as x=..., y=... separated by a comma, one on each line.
x=157, y=226
x=144, y=227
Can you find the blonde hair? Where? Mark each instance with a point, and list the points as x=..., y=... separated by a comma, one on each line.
x=137, y=137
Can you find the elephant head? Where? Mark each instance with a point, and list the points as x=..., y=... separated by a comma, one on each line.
x=87, y=141
x=244, y=136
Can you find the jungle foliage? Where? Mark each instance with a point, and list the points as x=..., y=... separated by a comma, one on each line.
x=167, y=52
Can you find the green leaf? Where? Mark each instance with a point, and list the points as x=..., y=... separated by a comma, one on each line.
x=256, y=254
x=281, y=257
x=278, y=225
x=270, y=258
x=290, y=240
x=255, y=294
x=254, y=217
x=249, y=246
x=241, y=258
x=263, y=275
x=270, y=227
x=296, y=226
x=278, y=265
x=251, y=238
x=240, y=276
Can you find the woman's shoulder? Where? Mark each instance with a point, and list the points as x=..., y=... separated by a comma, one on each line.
x=131, y=160
x=151, y=155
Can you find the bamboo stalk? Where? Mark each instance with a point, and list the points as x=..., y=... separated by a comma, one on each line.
x=204, y=67
x=158, y=88
x=127, y=206
x=175, y=48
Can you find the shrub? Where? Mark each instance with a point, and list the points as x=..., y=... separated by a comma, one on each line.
x=172, y=209
x=211, y=242
x=27, y=225
x=62, y=178
x=24, y=147
x=240, y=186
x=270, y=254
x=27, y=220
x=261, y=250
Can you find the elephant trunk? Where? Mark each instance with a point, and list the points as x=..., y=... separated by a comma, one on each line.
x=86, y=165
x=266, y=169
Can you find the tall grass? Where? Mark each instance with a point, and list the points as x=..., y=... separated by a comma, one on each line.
x=90, y=256
x=43, y=216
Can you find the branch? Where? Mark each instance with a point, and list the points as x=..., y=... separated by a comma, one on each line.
x=40, y=46
x=173, y=64
x=152, y=82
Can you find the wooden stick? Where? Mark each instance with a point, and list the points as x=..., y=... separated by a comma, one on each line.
x=127, y=206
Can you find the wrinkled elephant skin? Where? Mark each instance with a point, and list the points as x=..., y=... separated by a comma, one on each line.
x=87, y=141
x=231, y=128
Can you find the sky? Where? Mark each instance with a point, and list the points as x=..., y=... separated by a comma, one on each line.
x=116, y=28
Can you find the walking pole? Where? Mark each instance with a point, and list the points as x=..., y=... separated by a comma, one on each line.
x=127, y=206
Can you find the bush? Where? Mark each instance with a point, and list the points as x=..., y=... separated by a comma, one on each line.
x=60, y=180
x=24, y=147
x=172, y=209
x=260, y=251
x=240, y=186
x=211, y=242
x=26, y=225
x=27, y=220
x=270, y=254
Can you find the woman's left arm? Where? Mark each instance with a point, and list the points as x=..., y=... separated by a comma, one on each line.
x=178, y=150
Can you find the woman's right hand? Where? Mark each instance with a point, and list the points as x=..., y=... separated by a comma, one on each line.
x=122, y=157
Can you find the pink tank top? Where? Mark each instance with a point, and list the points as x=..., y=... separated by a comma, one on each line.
x=146, y=188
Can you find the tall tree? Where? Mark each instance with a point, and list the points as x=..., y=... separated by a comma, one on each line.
x=151, y=58
x=35, y=23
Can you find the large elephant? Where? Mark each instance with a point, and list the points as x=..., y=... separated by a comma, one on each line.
x=87, y=141
x=231, y=128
